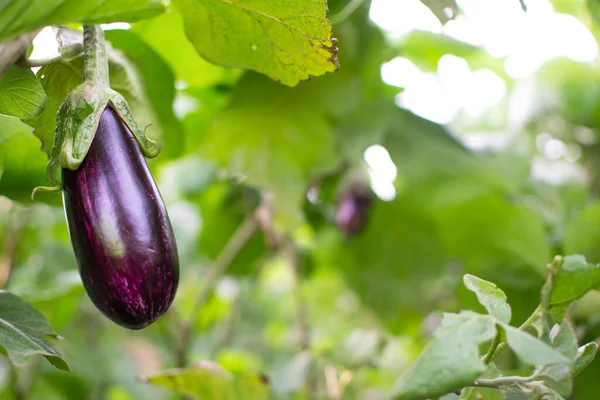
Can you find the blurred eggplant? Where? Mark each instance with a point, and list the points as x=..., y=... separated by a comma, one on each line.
x=121, y=233
x=354, y=209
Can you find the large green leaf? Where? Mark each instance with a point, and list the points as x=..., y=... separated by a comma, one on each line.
x=166, y=36
x=22, y=332
x=583, y=234
x=21, y=94
x=288, y=42
x=393, y=263
x=213, y=383
x=20, y=16
x=451, y=360
x=277, y=136
x=24, y=162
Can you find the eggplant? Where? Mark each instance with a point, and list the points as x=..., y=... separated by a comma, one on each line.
x=120, y=230
x=354, y=210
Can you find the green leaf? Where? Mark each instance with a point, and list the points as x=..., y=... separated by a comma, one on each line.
x=21, y=94
x=571, y=280
x=558, y=378
x=57, y=80
x=564, y=339
x=157, y=86
x=544, y=393
x=426, y=49
x=585, y=355
x=480, y=393
x=166, y=36
x=451, y=360
x=288, y=43
x=210, y=382
x=21, y=16
x=583, y=233
x=24, y=162
x=530, y=349
x=492, y=298
x=223, y=207
x=22, y=332
x=277, y=149
x=386, y=270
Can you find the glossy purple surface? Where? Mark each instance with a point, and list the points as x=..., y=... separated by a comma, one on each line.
x=120, y=230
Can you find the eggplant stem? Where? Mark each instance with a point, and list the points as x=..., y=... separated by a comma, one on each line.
x=95, y=64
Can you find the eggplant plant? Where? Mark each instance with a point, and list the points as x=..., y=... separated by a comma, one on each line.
x=119, y=227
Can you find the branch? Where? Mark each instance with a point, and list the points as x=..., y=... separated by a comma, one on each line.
x=13, y=50
x=302, y=319
x=244, y=232
x=505, y=381
x=497, y=348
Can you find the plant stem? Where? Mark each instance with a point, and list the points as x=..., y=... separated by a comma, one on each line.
x=95, y=64
x=302, y=319
x=534, y=315
x=493, y=347
x=244, y=232
x=497, y=348
x=504, y=381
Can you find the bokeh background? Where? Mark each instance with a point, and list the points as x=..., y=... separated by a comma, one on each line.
x=475, y=125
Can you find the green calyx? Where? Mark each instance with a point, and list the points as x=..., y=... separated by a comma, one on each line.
x=79, y=114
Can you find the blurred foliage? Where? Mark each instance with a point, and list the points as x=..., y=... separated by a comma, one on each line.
x=304, y=310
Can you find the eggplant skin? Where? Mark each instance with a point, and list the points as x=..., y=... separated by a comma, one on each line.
x=353, y=210
x=121, y=234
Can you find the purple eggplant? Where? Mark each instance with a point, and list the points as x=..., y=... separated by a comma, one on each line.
x=353, y=210
x=121, y=233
